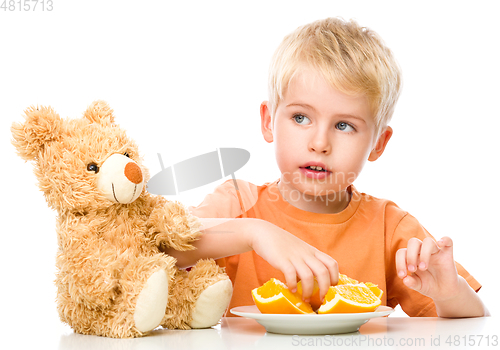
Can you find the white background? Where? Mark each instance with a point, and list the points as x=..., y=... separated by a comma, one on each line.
x=185, y=78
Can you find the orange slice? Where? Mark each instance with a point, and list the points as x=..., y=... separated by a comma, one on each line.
x=315, y=301
x=343, y=279
x=347, y=298
x=375, y=289
x=274, y=297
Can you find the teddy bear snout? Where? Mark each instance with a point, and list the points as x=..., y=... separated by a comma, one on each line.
x=120, y=179
x=133, y=173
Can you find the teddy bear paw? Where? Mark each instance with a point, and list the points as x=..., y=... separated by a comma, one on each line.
x=152, y=302
x=211, y=304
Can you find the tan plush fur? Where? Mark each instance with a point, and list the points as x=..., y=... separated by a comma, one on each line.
x=107, y=250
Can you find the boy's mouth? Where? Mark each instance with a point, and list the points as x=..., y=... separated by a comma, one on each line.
x=315, y=170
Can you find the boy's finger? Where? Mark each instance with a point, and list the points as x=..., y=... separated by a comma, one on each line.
x=307, y=280
x=401, y=262
x=412, y=254
x=332, y=266
x=290, y=277
x=322, y=276
x=429, y=247
x=413, y=282
x=445, y=242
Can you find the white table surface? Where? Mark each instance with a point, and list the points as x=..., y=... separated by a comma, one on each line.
x=240, y=333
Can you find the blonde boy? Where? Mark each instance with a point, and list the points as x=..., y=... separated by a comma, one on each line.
x=333, y=87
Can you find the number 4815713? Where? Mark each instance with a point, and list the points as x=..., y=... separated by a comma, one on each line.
x=27, y=5
x=472, y=340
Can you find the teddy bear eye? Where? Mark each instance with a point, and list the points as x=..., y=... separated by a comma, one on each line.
x=93, y=167
x=126, y=154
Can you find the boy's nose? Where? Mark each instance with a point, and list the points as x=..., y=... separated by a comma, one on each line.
x=320, y=144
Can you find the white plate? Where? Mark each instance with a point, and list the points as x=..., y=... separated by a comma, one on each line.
x=310, y=323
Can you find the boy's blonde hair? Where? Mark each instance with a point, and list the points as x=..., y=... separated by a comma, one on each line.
x=353, y=59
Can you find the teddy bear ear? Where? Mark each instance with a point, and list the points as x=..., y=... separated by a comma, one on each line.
x=100, y=112
x=42, y=126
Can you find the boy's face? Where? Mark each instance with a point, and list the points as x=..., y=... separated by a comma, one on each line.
x=315, y=126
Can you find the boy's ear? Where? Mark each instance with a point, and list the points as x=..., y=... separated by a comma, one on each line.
x=266, y=122
x=382, y=141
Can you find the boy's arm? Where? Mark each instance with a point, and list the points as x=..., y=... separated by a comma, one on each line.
x=281, y=249
x=219, y=239
x=465, y=304
x=429, y=268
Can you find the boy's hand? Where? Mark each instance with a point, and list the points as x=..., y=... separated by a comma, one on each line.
x=282, y=250
x=429, y=268
x=294, y=257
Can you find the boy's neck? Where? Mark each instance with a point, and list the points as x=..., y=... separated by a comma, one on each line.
x=329, y=204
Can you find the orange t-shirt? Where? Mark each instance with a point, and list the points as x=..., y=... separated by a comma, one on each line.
x=363, y=239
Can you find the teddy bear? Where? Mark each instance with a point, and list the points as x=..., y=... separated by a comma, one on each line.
x=113, y=278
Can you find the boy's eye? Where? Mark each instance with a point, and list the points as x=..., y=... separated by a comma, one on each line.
x=302, y=120
x=342, y=126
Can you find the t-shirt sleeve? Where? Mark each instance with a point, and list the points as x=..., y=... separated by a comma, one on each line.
x=412, y=302
x=229, y=200
x=222, y=203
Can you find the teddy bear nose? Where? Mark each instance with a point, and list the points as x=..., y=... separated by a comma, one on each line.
x=133, y=172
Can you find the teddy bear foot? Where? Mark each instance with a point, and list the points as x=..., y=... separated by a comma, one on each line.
x=211, y=304
x=151, y=302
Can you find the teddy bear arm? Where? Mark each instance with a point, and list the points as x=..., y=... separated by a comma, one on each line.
x=172, y=226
